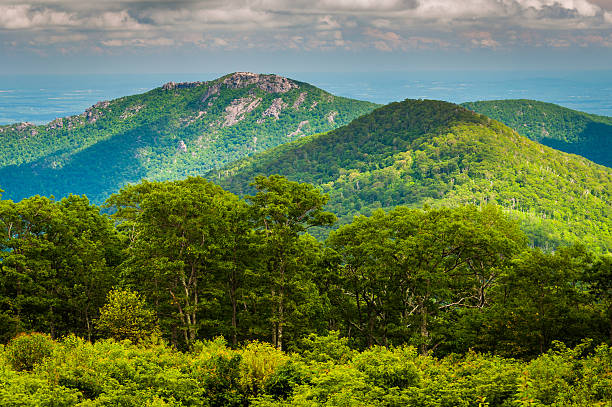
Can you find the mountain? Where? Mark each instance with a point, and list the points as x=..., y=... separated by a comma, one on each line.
x=170, y=132
x=423, y=152
x=558, y=127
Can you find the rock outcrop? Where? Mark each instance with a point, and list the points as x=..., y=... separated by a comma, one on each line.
x=56, y=124
x=299, y=129
x=94, y=113
x=267, y=83
x=240, y=80
x=300, y=99
x=131, y=111
x=236, y=111
x=274, y=110
x=181, y=85
x=24, y=125
x=331, y=117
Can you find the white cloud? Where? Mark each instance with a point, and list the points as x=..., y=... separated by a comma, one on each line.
x=381, y=24
x=24, y=16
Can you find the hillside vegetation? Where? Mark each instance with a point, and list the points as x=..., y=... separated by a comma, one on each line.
x=325, y=372
x=421, y=152
x=558, y=127
x=170, y=132
x=407, y=307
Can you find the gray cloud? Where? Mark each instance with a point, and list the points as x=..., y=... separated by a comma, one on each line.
x=384, y=25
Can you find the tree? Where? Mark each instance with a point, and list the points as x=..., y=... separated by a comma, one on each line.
x=539, y=299
x=406, y=270
x=283, y=210
x=185, y=250
x=56, y=264
x=600, y=278
x=126, y=316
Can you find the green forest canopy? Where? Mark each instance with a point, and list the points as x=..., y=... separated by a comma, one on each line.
x=558, y=127
x=421, y=152
x=436, y=306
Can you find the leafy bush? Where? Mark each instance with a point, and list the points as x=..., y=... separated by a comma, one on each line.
x=26, y=350
x=258, y=364
x=126, y=316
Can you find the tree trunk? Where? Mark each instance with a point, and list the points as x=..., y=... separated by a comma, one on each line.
x=281, y=315
x=274, y=325
x=234, y=312
x=88, y=325
x=233, y=299
x=424, y=331
x=370, y=329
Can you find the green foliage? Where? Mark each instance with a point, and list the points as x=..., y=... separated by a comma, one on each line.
x=331, y=347
x=188, y=249
x=26, y=350
x=126, y=316
x=558, y=127
x=408, y=271
x=259, y=361
x=421, y=152
x=282, y=210
x=542, y=298
x=56, y=265
x=19, y=389
x=419, y=291
x=165, y=134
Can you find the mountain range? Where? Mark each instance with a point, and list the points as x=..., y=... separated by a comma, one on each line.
x=170, y=132
x=415, y=152
x=556, y=126
x=423, y=152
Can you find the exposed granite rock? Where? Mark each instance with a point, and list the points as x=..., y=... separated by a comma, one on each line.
x=23, y=126
x=236, y=111
x=300, y=99
x=56, y=124
x=239, y=80
x=267, y=83
x=102, y=105
x=299, y=129
x=314, y=104
x=181, y=85
x=94, y=113
x=131, y=111
x=182, y=147
x=212, y=90
x=186, y=121
x=274, y=110
x=331, y=117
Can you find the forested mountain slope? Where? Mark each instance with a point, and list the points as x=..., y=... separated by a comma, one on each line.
x=420, y=152
x=558, y=127
x=170, y=132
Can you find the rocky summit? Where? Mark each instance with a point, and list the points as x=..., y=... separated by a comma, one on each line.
x=176, y=130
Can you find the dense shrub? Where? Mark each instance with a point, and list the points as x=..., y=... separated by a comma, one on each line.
x=78, y=372
x=26, y=350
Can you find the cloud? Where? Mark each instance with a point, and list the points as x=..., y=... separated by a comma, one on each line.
x=24, y=16
x=386, y=25
x=139, y=42
x=482, y=39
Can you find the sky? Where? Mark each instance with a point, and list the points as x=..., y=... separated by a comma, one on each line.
x=131, y=36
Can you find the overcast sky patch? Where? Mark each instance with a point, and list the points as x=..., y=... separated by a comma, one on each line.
x=45, y=27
